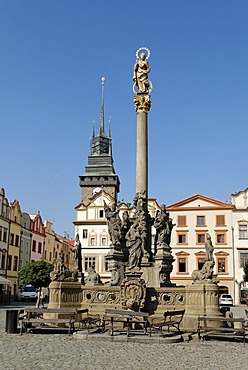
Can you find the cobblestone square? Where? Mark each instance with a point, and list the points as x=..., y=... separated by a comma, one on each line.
x=59, y=351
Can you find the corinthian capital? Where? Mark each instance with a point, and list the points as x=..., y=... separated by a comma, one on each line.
x=142, y=103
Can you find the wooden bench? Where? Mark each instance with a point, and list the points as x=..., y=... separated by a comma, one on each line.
x=169, y=319
x=206, y=324
x=34, y=317
x=127, y=317
x=90, y=322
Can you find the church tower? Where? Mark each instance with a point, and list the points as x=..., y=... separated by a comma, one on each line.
x=99, y=173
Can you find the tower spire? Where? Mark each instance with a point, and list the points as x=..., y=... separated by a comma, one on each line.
x=101, y=132
x=93, y=129
x=109, y=135
x=109, y=130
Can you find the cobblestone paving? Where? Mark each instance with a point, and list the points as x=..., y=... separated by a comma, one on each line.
x=59, y=351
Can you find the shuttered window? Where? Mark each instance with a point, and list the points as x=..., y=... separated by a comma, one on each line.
x=220, y=220
x=181, y=221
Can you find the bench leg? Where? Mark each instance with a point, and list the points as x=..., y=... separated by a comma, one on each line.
x=103, y=325
x=21, y=328
x=128, y=327
x=112, y=324
x=145, y=327
x=71, y=327
x=199, y=334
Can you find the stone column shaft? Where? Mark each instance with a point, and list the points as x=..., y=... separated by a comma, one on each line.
x=142, y=153
x=142, y=104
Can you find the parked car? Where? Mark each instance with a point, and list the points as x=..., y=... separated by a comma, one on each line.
x=28, y=292
x=225, y=300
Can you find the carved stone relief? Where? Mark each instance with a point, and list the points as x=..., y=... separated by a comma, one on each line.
x=133, y=293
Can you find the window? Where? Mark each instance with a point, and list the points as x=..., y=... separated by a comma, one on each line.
x=104, y=241
x=242, y=231
x=0, y=234
x=243, y=259
x=12, y=239
x=92, y=240
x=39, y=247
x=88, y=262
x=45, y=254
x=182, y=238
x=181, y=221
x=201, y=238
x=200, y=263
x=220, y=220
x=5, y=235
x=3, y=261
x=101, y=213
x=221, y=265
x=221, y=262
x=9, y=262
x=17, y=241
x=182, y=262
x=85, y=233
x=21, y=245
x=15, y=265
x=34, y=246
x=182, y=265
x=220, y=238
x=200, y=221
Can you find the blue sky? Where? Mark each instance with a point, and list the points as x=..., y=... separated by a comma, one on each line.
x=53, y=55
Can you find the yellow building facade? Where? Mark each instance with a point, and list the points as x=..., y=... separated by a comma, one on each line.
x=14, y=247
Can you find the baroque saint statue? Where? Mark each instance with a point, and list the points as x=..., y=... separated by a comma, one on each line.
x=163, y=225
x=141, y=71
x=209, y=248
x=114, y=223
x=77, y=258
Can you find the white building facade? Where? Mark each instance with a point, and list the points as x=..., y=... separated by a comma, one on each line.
x=194, y=217
x=240, y=240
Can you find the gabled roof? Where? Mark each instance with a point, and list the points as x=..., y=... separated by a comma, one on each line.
x=94, y=197
x=102, y=193
x=199, y=201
